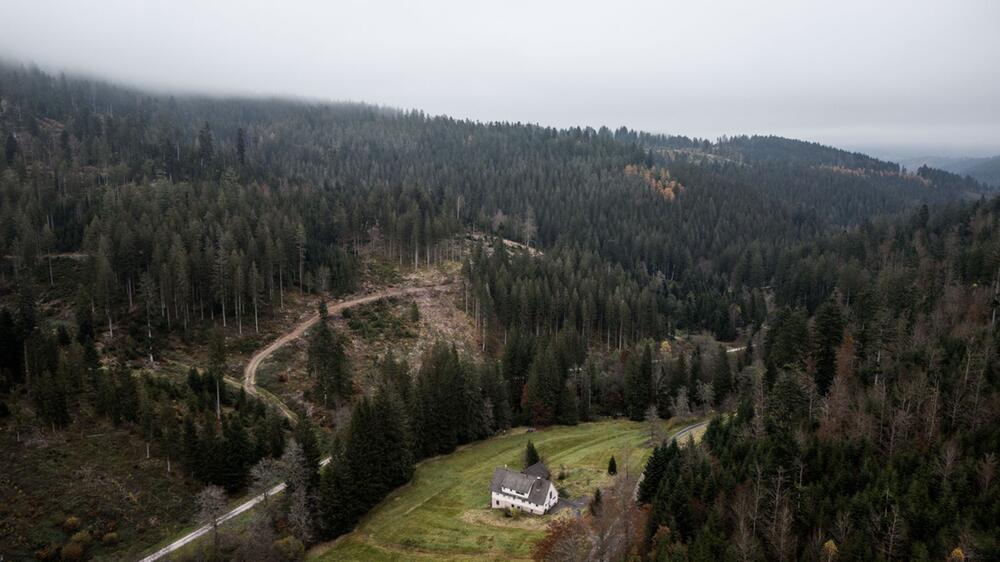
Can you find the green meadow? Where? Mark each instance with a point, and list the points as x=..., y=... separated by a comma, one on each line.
x=443, y=514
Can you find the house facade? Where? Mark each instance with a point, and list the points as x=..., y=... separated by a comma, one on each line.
x=526, y=492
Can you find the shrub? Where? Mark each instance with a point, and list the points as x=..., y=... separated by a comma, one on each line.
x=109, y=539
x=82, y=537
x=72, y=523
x=50, y=552
x=72, y=552
x=595, y=504
x=290, y=548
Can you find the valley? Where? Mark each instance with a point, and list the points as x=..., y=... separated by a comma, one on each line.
x=251, y=329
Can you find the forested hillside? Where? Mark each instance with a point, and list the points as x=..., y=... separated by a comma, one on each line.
x=857, y=396
x=986, y=170
x=217, y=207
x=867, y=428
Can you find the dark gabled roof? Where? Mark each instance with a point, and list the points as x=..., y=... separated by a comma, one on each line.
x=538, y=470
x=535, y=488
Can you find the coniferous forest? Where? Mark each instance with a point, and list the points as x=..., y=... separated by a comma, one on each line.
x=834, y=314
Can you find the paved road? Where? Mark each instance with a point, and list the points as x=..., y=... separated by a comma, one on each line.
x=682, y=434
x=249, y=383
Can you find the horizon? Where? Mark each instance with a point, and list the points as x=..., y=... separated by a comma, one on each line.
x=891, y=153
x=922, y=89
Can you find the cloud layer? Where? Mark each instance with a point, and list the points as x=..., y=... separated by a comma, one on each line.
x=900, y=75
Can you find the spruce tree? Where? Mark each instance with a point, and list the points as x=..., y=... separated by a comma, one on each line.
x=439, y=402
x=722, y=381
x=191, y=447
x=380, y=441
x=639, y=381
x=10, y=149
x=656, y=467
x=241, y=146
x=544, y=388
x=530, y=454
x=829, y=335
x=237, y=454
x=569, y=407
x=515, y=366
x=327, y=362
x=305, y=436
x=612, y=466
x=338, y=499
x=495, y=390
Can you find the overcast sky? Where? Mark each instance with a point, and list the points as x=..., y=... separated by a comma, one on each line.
x=890, y=76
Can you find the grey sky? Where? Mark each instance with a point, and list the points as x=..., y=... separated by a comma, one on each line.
x=885, y=75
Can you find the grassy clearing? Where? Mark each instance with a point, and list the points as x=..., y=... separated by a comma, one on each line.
x=443, y=513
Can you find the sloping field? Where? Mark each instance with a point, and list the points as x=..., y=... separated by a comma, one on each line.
x=443, y=513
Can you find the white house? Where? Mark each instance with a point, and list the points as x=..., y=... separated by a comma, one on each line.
x=527, y=491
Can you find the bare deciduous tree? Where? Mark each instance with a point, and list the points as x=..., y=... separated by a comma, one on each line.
x=890, y=528
x=266, y=474
x=706, y=394
x=744, y=541
x=986, y=469
x=293, y=465
x=299, y=515
x=654, y=426
x=680, y=404
x=211, y=506
x=947, y=459
x=782, y=537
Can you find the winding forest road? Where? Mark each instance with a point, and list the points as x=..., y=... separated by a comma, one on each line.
x=250, y=384
x=250, y=371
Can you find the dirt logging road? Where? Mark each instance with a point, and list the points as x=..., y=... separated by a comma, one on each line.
x=250, y=384
x=250, y=371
